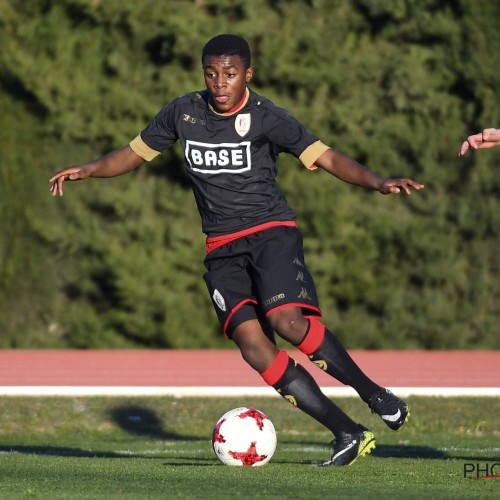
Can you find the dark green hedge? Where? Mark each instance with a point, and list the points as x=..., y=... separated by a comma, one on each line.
x=118, y=262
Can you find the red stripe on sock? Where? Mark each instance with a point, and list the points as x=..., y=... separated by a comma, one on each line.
x=272, y=375
x=314, y=336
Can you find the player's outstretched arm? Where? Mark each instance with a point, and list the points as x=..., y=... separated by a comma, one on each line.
x=488, y=138
x=115, y=163
x=349, y=170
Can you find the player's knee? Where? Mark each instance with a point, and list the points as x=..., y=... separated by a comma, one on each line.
x=289, y=324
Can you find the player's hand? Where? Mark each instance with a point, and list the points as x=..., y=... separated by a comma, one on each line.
x=394, y=186
x=488, y=138
x=68, y=174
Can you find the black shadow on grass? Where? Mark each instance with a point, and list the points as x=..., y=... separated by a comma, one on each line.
x=63, y=451
x=192, y=462
x=393, y=451
x=136, y=420
x=142, y=421
x=396, y=451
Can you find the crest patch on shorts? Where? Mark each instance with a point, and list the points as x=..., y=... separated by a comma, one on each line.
x=219, y=300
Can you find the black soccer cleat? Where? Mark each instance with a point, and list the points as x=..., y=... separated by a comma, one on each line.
x=392, y=410
x=349, y=446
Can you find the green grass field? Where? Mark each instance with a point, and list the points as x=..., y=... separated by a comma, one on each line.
x=160, y=448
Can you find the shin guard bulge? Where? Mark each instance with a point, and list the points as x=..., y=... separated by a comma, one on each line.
x=325, y=350
x=297, y=386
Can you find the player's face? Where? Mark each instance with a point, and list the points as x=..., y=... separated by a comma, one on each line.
x=226, y=79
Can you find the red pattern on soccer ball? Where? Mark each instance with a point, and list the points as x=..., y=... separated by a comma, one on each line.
x=257, y=415
x=218, y=437
x=249, y=457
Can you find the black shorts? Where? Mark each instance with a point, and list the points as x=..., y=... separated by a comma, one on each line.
x=253, y=276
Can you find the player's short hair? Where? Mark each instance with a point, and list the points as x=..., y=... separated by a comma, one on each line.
x=228, y=45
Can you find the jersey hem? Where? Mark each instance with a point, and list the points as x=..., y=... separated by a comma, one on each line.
x=218, y=241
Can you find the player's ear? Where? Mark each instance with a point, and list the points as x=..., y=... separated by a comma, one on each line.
x=249, y=74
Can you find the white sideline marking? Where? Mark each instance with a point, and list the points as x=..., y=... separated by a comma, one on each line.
x=229, y=391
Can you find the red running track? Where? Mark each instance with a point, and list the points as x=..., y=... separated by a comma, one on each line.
x=23, y=370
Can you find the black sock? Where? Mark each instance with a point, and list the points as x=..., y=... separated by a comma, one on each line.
x=298, y=387
x=326, y=351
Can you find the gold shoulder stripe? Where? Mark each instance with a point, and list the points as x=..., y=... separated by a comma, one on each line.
x=312, y=153
x=139, y=147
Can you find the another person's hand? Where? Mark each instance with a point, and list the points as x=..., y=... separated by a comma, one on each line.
x=488, y=138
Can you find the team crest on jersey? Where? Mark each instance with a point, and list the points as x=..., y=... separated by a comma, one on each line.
x=242, y=124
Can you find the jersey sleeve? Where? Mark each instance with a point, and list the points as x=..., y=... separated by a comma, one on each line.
x=158, y=135
x=290, y=136
x=309, y=156
x=139, y=147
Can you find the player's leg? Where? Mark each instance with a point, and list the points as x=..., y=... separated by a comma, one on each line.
x=232, y=292
x=327, y=352
x=288, y=378
x=286, y=289
x=323, y=348
x=297, y=386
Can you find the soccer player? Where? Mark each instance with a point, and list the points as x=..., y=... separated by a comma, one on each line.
x=256, y=272
x=488, y=138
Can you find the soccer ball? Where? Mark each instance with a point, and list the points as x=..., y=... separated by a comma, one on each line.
x=244, y=436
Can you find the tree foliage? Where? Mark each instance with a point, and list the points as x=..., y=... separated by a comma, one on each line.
x=118, y=262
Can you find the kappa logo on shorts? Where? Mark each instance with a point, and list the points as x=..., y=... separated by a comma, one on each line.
x=226, y=157
x=270, y=301
x=219, y=300
x=300, y=277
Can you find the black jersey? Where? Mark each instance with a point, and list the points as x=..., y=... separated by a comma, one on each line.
x=231, y=159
